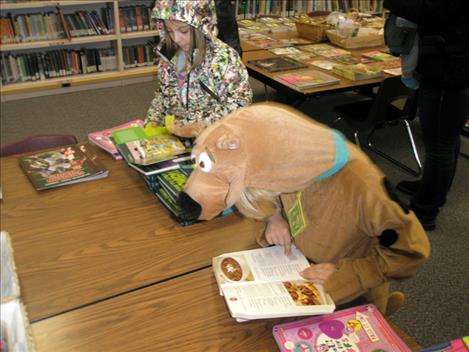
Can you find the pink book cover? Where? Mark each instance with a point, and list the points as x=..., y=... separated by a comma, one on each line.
x=356, y=329
x=103, y=138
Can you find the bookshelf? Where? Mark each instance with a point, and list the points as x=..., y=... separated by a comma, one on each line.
x=59, y=55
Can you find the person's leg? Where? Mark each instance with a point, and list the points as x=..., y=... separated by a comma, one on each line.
x=442, y=116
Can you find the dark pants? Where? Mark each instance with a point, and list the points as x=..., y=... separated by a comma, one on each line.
x=443, y=113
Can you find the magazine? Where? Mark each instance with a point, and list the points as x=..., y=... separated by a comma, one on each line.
x=103, y=138
x=64, y=166
x=306, y=79
x=355, y=329
x=324, y=64
x=264, y=283
x=276, y=64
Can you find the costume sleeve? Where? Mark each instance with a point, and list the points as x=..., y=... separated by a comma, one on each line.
x=402, y=247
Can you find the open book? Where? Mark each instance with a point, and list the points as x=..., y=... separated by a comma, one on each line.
x=264, y=283
x=361, y=328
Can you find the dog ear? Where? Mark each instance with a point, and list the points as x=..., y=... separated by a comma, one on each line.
x=228, y=142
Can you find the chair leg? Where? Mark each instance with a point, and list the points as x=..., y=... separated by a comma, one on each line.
x=357, y=139
x=394, y=161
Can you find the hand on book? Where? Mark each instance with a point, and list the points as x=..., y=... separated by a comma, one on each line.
x=277, y=232
x=318, y=273
x=186, y=131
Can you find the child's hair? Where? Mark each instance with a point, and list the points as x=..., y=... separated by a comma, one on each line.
x=258, y=203
x=197, y=42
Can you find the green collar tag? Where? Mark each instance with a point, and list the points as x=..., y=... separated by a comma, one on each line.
x=296, y=217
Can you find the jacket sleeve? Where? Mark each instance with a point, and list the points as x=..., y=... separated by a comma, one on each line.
x=157, y=111
x=402, y=246
x=234, y=90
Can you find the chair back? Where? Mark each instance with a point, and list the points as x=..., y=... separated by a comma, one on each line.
x=37, y=142
x=392, y=89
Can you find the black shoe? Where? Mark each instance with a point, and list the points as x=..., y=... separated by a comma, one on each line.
x=409, y=187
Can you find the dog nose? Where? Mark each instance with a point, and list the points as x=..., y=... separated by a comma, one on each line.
x=189, y=206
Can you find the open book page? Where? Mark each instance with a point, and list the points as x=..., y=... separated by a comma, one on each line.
x=264, y=283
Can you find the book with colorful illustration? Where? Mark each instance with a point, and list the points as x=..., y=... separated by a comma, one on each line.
x=103, y=138
x=378, y=55
x=276, y=64
x=306, y=79
x=361, y=328
x=264, y=283
x=324, y=64
x=63, y=166
x=357, y=72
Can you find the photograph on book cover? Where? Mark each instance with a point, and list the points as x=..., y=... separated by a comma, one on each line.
x=357, y=329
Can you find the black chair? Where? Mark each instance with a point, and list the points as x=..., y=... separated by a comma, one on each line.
x=367, y=116
x=37, y=142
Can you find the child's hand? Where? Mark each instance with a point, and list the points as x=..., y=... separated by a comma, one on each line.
x=277, y=232
x=318, y=273
x=187, y=131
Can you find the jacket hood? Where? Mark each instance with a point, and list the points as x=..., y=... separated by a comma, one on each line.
x=200, y=14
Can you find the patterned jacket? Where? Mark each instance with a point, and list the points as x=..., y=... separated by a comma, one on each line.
x=213, y=89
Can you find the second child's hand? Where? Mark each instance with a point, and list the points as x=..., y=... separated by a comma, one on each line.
x=318, y=273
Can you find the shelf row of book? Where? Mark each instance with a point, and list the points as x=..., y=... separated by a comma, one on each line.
x=58, y=25
x=246, y=9
x=69, y=62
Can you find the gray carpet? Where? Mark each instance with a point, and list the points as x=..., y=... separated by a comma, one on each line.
x=437, y=305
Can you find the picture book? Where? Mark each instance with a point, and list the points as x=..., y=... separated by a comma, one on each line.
x=285, y=51
x=357, y=72
x=277, y=64
x=303, y=57
x=386, y=65
x=63, y=166
x=378, y=55
x=316, y=48
x=103, y=138
x=181, y=160
x=357, y=329
x=393, y=71
x=457, y=345
x=306, y=79
x=333, y=53
x=324, y=64
x=351, y=60
x=264, y=283
x=150, y=150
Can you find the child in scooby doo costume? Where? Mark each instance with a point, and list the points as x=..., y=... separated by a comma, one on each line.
x=292, y=173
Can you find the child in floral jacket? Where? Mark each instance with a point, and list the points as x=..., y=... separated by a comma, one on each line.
x=201, y=79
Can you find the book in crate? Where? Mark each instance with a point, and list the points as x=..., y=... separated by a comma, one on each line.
x=306, y=79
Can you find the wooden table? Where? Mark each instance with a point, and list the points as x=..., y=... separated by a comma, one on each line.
x=87, y=242
x=102, y=267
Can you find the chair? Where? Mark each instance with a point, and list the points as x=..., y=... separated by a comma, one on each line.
x=367, y=116
x=37, y=142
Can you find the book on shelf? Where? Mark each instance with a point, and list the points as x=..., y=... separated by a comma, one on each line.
x=277, y=64
x=264, y=283
x=103, y=138
x=361, y=328
x=357, y=72
x=306, y=79
x=63, y=166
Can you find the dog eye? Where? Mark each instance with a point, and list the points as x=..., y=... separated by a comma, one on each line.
x=204, y=162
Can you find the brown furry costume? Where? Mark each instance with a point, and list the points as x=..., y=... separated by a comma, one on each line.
x=351, y=220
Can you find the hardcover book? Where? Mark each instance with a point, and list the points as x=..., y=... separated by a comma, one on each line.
x=64, y=166
x=355, y=329
x=276, y=64
x=306, y=79
x=357, y=72
x=103, y=138
x=264, y=283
